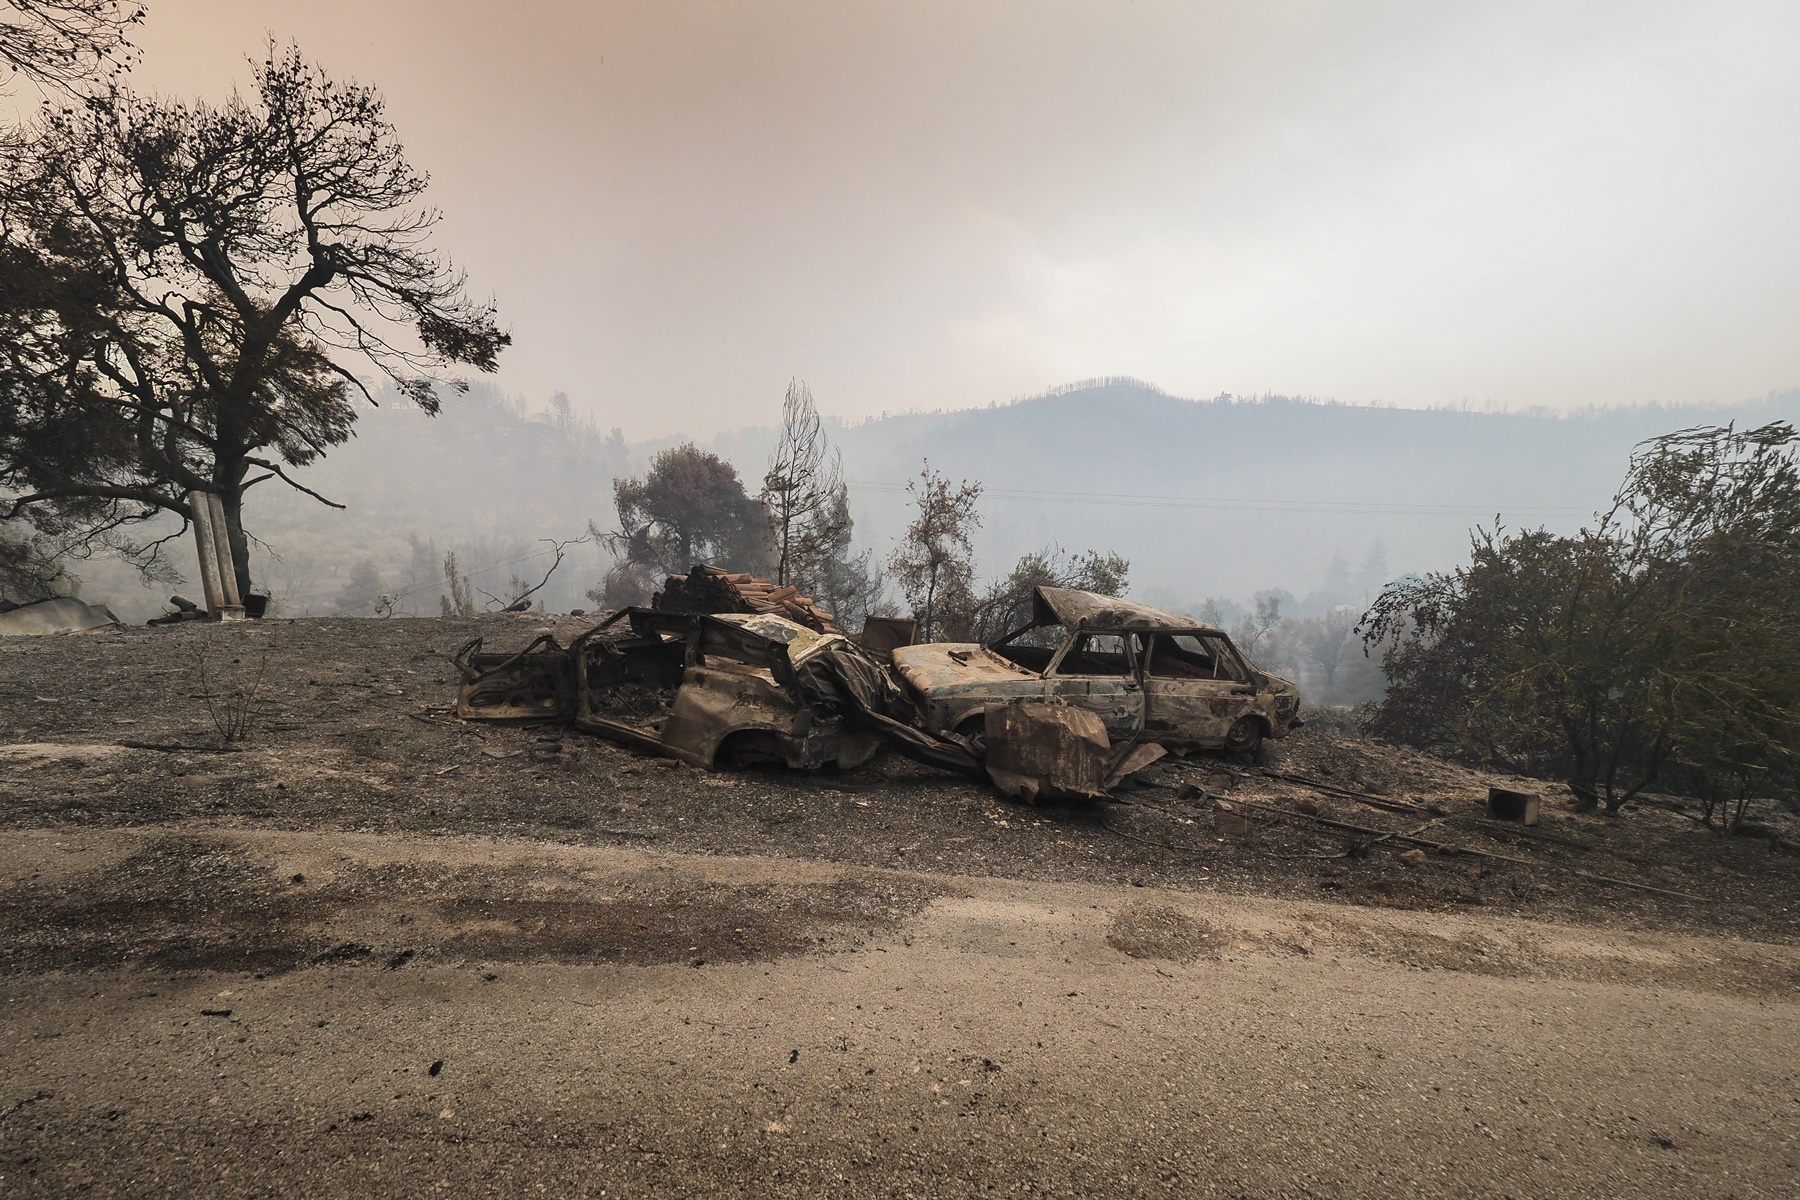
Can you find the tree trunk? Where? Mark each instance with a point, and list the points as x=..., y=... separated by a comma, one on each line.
x=1585, y=798
x=930, y=622
x=787, y=518
x=231, y=494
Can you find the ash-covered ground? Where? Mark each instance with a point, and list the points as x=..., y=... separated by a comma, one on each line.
x=349, y=730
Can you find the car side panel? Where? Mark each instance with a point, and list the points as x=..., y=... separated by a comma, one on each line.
x=1115, y=699
x=1194, y=712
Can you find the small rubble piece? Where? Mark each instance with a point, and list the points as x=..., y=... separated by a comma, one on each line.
x=185, y=610
x=62, y=614
x=1506, y=805
x=712, y=590
x=1412, y=858
x=1227, y=823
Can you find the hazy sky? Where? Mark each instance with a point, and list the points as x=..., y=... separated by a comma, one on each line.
x=679, y=205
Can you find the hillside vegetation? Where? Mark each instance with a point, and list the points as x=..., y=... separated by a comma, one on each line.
x=1216, y=498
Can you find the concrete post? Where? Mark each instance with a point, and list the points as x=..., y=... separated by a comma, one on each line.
x=228, y=588
x=201, y=508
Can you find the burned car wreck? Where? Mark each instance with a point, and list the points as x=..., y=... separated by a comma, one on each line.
x=712, y=690
x=1148, y=675
x=1091, y=690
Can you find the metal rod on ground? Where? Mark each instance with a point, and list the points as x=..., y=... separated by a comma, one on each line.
x=1400, y=806
x=1443, y=847
x=1333, y=790
x=1446, y=848
x=200, y=509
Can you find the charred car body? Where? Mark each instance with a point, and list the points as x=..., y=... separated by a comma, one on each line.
x=1150, y=676
x=1092, y=689
x=726, y=689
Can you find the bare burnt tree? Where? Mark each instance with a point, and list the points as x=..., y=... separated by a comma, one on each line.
x=1325, y=638
x=1254, y=631
x=66, y=44
x=519, y=590
x=803, y=480
x=1007, y=603
x=933, y=562
x=185, y=290
x=845, y=583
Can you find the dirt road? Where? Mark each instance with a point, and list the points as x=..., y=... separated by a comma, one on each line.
x=261, y=1012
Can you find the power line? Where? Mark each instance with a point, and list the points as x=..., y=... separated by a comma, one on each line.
x=1245, y=504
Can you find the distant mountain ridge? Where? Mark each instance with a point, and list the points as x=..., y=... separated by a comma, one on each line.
x=1211, y=497
x=1253, y=493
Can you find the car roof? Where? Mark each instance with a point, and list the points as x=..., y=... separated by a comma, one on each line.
x=1066, y=606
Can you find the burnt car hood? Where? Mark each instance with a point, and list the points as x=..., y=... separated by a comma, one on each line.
x=945, y=668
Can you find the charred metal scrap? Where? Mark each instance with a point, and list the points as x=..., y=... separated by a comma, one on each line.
x=725, y=689
x=1092, y=689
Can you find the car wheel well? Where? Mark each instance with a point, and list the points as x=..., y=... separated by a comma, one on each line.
x=749, y=748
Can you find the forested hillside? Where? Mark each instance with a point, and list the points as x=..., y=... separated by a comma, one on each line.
x=1216, y=498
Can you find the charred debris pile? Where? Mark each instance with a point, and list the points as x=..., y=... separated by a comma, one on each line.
x=710, y=590
x=725, y=670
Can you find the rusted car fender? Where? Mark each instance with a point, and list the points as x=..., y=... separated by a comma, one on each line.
x=715, y=706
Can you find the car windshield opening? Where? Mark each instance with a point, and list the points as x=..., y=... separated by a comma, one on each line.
x=1031, y=647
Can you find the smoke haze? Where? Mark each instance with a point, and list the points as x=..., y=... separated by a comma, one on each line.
x=679, y=206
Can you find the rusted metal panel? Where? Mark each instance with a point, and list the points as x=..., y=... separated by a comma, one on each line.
x=1193, y=712
x=530, y=684
x=719, y=705
x=884, y=635
x=1136, y=759
x=955, y=683
x=61, y=614
x=1037, y=750
x=1117, y=701
x=1066, y=606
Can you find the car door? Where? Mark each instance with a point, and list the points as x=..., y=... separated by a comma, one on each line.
x=1098, y=671
x=1195, y=687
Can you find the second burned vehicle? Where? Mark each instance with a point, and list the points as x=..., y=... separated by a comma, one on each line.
x=710, y=690
x=1147, y=674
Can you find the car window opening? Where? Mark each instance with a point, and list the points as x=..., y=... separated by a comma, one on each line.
x=1097, y=654
x=1031, y=647
x=1190, y=656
